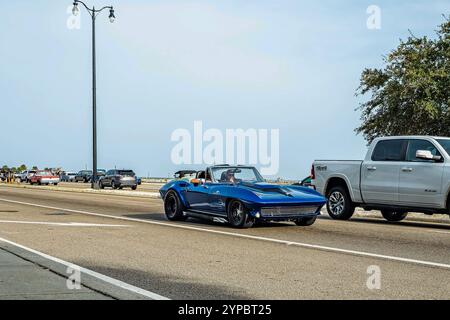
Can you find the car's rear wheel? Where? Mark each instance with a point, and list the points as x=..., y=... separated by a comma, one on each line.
x=305, y=222
x=173, y=207
x=102, y=186
x=339, y=204
x=238, y=215
x=133, y=187
x=113, y=185
x=394, y=215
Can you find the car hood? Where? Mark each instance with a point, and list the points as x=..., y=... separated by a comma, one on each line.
x=285, y=193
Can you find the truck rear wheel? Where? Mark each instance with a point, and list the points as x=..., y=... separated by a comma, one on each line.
x=305, y=222
x=394, y=215
x=339, y=205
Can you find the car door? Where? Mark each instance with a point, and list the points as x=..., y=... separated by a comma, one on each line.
x=108, y=177
x=380, y=173
x=197, y=194
x=421, y=180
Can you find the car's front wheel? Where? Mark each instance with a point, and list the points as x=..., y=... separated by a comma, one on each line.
x=394, y=215
x=173, y=207
x=305, y=222
x=340, y=205
x=238, y=215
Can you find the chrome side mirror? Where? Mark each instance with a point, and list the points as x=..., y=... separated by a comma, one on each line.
x=427, y=155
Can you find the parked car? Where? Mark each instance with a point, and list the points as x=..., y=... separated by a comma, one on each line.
x=399, y=175
x=118, y=179
x=238, y=195
x=67, y=176
x=83, y=176
x=25, y=176
x=138, y=180
x=44, y=177
x=306, y=182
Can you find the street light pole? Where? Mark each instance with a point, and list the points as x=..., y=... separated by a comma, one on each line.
x=93, y=13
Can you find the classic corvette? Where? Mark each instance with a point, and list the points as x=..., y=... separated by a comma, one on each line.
x=238, y=195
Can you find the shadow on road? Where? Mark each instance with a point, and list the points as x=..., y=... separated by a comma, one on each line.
x=196, y=221
x=170, y=285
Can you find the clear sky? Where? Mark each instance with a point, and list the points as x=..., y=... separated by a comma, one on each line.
x=287, y=65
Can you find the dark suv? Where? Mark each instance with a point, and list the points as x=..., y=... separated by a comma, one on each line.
x=118, y=179
x=84, y=176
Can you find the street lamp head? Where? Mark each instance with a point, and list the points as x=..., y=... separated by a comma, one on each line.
x=75, y=9
x=111, y=15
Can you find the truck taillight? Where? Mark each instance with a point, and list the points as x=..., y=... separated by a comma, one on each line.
x=313, y=172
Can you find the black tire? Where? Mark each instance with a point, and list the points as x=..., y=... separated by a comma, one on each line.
x=339, y=204
x=306, y=222
x=113, y=185
x=39, y=182
x=133, y=187
x=238, y=216
x=394, y=215
x=173, y=207
x=55, y=184
x=102, y=186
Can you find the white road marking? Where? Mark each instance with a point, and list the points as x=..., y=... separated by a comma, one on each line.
x=436, y=231
x=66, y=224
x=97, y=275
x=245, y=236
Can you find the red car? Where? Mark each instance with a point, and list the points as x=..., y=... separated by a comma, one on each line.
x=44, y=177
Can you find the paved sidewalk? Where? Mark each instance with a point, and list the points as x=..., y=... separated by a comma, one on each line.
x=22, y=279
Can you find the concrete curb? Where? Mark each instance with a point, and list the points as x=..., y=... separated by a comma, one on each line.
x=125, y=193
x=87, y=280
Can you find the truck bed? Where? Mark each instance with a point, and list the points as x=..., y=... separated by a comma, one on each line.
x=349, y=170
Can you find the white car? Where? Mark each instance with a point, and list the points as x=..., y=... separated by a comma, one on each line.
x=25, y=176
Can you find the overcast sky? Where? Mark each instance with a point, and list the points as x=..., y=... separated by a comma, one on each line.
x=287, y=65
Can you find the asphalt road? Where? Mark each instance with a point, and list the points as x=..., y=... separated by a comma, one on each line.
x=129, y=239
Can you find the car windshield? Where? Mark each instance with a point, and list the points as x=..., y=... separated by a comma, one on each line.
x=44, y=173
x=445, y=143
x=236, y=174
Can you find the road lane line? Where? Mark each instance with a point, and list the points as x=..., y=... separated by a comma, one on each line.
x=97, y=275
x=66, y=224
x=245, y=236
x=436, y=231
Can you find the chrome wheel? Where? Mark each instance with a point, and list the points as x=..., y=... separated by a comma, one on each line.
x=237, y=213
x=336, y=202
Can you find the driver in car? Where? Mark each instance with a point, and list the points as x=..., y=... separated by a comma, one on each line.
x=229, y=176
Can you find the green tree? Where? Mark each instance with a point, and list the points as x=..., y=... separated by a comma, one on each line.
x=5, y=168
x=34, y=168
x=411, y=94
x=22, y=168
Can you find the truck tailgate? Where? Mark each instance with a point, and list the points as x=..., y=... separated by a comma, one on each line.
x=349, y=170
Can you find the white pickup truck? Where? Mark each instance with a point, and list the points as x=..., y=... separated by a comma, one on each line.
x=398, y=175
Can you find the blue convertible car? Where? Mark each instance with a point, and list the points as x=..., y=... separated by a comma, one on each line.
x=238, y=195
